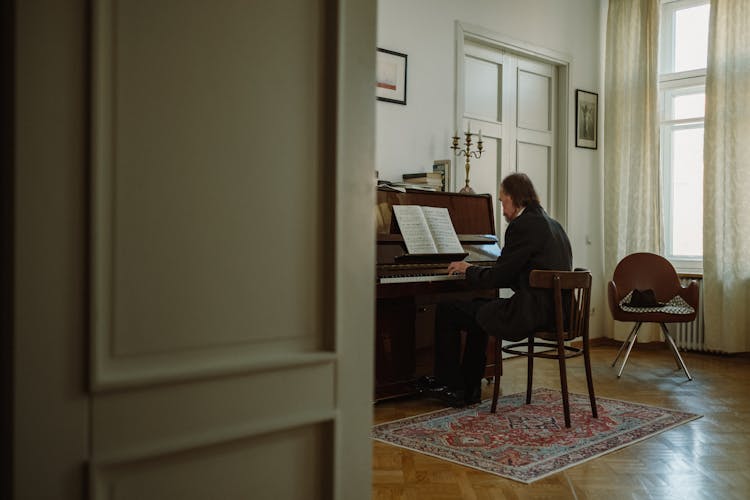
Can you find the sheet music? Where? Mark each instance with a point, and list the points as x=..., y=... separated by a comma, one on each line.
x=414, y=229
x=443, y=233
x=427, y=230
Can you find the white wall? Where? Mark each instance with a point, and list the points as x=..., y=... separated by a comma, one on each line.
x=410, y=137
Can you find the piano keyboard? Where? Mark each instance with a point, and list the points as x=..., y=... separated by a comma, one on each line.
x=421, y=277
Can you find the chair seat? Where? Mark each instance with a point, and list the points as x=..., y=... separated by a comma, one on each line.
x=653, y=317
x=675, y=305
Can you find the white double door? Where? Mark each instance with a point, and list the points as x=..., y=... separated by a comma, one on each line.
x=512, y=100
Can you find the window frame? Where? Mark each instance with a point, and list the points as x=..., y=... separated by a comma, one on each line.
x=670, y=83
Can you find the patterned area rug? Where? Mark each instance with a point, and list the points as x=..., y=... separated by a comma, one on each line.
x=528, y=442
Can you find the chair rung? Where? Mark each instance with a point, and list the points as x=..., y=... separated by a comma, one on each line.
x=514, y=349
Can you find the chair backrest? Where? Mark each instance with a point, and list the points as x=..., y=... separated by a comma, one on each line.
x=579, y=284
x=646, y=270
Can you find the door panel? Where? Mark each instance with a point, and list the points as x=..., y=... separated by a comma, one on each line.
x=482, y=85
x=536, y=164
x=178, y=216
x=184, y=201
x=220, y=409
x=534, y=95
x=235, y=470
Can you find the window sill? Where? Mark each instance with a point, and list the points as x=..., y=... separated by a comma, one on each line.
x=688, y=266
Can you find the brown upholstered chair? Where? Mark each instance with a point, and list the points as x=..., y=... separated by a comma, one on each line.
x=644, y=271
x=579, y=284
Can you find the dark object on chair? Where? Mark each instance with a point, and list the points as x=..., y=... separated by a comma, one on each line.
x=640, y=271
x=578, y=283
x=644, y=298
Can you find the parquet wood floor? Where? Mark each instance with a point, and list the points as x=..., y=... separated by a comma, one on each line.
x=708, y=458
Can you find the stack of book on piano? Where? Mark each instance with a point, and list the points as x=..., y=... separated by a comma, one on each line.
x=390, y=186
x=424, y=180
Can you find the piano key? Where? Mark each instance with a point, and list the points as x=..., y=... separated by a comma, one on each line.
x=414, y=279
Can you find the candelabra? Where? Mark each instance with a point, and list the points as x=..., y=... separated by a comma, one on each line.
x=465, y=150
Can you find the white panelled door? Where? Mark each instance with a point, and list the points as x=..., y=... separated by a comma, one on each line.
x=512, y=99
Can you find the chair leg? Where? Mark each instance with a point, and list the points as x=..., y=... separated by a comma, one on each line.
x=633, y=337
x=674, y=354
x=563, y=379
x=498, y=372
x=529, y=369
x=632, y=332
x=589, y=378
x=675, y=350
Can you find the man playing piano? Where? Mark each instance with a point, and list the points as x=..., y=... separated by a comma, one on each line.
x=533, y=240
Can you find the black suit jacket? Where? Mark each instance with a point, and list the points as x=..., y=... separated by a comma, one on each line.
x=533, y=240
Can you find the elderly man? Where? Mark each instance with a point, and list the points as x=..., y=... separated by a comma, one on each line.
x=533, y=240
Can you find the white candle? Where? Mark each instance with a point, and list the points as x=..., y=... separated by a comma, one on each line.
x=468, y=128
x=480, y=135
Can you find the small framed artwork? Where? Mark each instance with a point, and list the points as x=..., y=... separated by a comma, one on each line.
x=444, y=167
x=587, y=111
x=390, y=85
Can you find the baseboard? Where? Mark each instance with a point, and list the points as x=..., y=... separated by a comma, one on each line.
x=608, y=342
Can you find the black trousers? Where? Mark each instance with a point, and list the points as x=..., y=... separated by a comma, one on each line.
x=451, y=368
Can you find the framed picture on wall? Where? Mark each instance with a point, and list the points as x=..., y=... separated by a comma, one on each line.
x=390, y=76
x=587, y=111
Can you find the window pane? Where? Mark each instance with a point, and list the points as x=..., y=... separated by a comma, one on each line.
x=687, y=192
x=688, y=106
x=691, y=38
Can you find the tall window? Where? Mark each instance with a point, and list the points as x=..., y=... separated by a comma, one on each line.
x=682, y=80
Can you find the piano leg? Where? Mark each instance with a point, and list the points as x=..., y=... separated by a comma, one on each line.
x=404, y=345
x=395, y=361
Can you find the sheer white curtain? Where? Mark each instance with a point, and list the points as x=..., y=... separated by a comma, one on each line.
x=631, y=138
x=726, y=182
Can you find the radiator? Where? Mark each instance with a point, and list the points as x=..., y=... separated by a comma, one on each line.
x=690, y=336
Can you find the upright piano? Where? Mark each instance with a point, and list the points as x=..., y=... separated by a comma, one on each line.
x=409, y=289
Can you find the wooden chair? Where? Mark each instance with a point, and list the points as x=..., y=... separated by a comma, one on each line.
x=579, y=284
x=643, y=271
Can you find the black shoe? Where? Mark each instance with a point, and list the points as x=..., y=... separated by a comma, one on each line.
x=475, y=396
x=452, y=397
x=429, y=384
x=457, y=398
